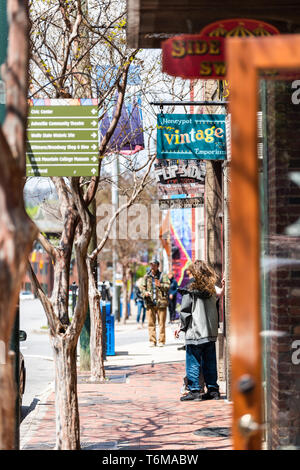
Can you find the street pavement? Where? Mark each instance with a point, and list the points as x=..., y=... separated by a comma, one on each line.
x=138, y=407
x=37, y=353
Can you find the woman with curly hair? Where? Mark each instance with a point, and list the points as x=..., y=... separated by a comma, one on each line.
x=199, y=321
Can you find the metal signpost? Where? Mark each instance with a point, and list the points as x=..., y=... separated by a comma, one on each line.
x=62, y=139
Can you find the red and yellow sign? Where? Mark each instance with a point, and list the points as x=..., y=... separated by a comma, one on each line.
x=203, y=55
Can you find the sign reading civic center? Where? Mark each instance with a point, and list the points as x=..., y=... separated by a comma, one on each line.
x=191, y=136
x=62, y=137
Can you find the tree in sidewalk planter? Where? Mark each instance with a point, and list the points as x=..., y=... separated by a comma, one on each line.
x=58, y=34
x=17, y=232
x=78, y=52
x=63, y=333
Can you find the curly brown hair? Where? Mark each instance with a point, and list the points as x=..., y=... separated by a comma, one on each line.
x=204, y=277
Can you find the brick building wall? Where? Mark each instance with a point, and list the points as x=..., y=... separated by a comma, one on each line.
x=282, y=304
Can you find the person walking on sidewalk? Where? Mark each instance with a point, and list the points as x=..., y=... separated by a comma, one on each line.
x=138, y=298
x=155, y=288
x=199, y=321
x=172, y=297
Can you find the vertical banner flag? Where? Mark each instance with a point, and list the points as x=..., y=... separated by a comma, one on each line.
x=191, y=136
x=128, y=137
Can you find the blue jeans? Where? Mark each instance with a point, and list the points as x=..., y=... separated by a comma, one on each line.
x=141, y=306
x=202, y=356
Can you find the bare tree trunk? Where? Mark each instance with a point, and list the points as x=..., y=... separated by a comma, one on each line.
x=96, y=339
x=17, y=232
x=67, y=416
x=64, y=335
x=7, y=403
x=66, y=403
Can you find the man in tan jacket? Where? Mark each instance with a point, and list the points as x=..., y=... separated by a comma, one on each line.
x=154, y=288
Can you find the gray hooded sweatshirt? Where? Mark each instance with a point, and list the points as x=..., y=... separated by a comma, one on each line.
x=201, y=324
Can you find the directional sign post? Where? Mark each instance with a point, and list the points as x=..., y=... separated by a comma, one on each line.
x=62, y=139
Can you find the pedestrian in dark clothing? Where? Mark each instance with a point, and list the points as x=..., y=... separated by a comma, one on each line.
x=155, y=288
x=199, y=321
x=138, y=298
x=172, y=297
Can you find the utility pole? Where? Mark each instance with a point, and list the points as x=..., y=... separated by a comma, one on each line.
x=115, y=204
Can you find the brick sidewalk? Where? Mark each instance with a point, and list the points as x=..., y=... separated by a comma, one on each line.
x=139, y=409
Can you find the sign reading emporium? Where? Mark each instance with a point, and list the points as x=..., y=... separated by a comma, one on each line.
x=191, y=136
x=62, y=137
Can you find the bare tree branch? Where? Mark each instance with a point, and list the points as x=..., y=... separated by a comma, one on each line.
x=53, y=321
x=136, y=192
x=48, y=247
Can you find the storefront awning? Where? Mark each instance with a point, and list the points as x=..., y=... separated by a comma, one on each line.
x=151, y=21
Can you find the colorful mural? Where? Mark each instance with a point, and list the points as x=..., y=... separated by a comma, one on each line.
x=181, y=234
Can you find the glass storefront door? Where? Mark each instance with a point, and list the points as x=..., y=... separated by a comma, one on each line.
x=265, y=242
x=280, y=262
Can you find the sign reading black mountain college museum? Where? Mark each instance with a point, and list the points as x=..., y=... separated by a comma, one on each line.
x=62, y=138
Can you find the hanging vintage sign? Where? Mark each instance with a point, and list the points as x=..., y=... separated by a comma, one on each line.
x=180, y=177
x=202, y=55
x=191, y=137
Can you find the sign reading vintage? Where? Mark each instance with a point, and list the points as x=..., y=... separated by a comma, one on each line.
x=180, y=177
x=191, y=136
x=62, y=138
x=203, y=55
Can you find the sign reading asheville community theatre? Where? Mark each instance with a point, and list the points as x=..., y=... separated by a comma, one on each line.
x=62, y=137
x=191, y=136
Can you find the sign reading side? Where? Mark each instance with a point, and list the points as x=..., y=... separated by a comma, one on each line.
x=62, y=138
x=191, y=136
x=203, y=55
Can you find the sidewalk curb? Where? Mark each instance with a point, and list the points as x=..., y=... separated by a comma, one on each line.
x=32, y=421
